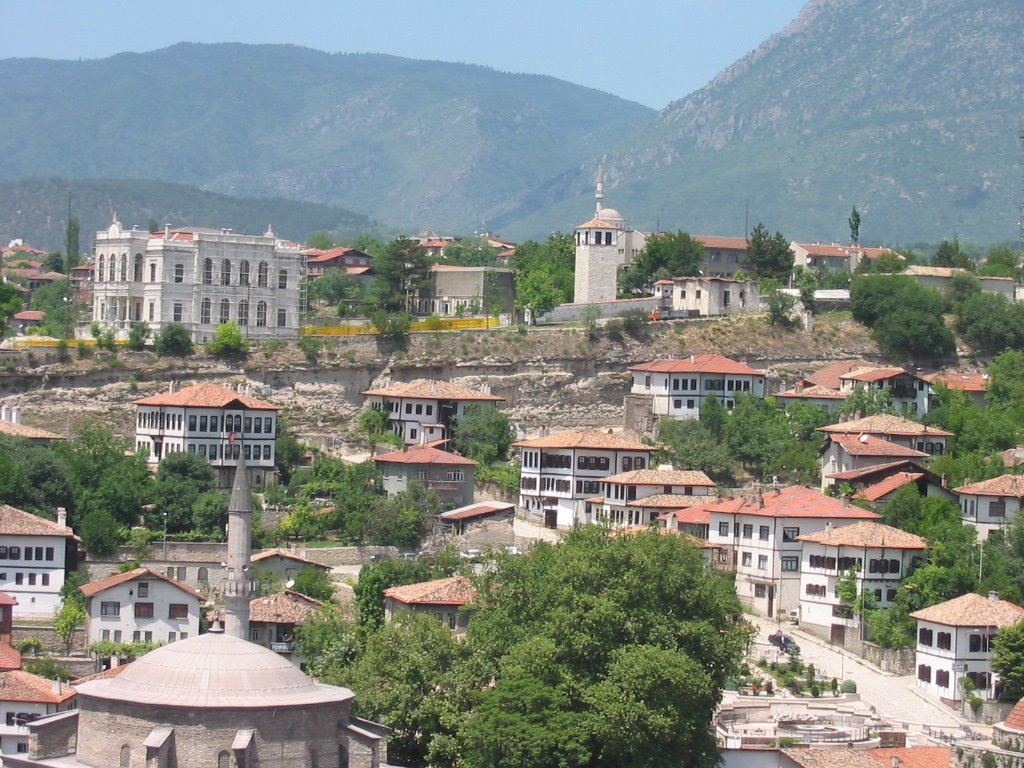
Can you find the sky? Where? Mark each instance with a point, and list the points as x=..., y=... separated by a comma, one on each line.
x=649, y=51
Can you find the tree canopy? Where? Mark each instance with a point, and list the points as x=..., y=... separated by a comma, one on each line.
x=767, y=255
x=665, y=256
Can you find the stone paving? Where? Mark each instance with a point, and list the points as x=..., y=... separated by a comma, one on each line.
x=896, y=698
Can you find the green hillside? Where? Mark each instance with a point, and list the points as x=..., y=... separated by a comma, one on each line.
x=909, y=110
x=37, y=211
x=411, y=143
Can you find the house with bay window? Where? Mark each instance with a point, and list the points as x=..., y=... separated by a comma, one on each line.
x=423, y=410
x=878, y=556
x=217, y=423
x=140, y=606
x=560, y=471
x=35, y=557
x=955, y=640
x=677, y=388
x=641, y=496
x=758, y=540
x=449, y=475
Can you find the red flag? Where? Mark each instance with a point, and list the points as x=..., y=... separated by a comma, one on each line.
x=231, y=438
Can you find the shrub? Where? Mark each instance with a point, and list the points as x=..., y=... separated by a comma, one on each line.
x=31, y=645
x=228, y=341
x=848, y=686
x=173, y=341
x=137, y=337
x=310, y=347
x=815, y=690
x=84, y=350
x=63, y=355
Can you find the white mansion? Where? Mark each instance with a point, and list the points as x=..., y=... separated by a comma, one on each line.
x=197, y=277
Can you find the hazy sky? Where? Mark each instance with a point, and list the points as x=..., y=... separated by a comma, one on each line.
x=650, y=51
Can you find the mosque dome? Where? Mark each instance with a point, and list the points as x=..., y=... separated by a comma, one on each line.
x=216, y=671
x=610, y=215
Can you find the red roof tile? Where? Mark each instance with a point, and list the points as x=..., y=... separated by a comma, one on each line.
x=266, y=554
x=876, y=469
x=688, y=516
x=794, y=501
x=869, y=445
x=972, y=610
x=866, y=534
x=422, y=454
x=698, y=364
x=29, y=314
x=828, y=375
x=480, y=509
x=889, y=485
x=872, y=374
x=662, y=477
x=671, y=501
x=885, y=424
x=206, y=396
x=966, y=382
x=23, y=430
x=912, y=757
x=10, y=658
x=594, y=439
x=455, y=590
x=17, y=685
x=814, y=392
x=17, y=522
x=725, y=243
x=1004, y=485
x=430, y=389
x=287, y=607
x=1015, y=720
x=99, y=585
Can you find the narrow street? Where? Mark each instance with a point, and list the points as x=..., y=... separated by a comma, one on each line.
x=894, y=697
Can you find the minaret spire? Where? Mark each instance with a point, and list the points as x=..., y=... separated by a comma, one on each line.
x=239, y=587
x=599, y=191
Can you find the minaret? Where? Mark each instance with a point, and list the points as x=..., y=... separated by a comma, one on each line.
x=599, y=192
x=239, y=587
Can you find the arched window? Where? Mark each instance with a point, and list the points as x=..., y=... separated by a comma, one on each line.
x=126, y=756
x=224, y=759
x=204, y=574
x=282, y=278
x=138, y=268
x=261, y=314
x=225, y=310
x=100, y=262
x=208, y=272
x=124, y=267
x=261, y=275
x=243, y=273
x=204, y=312
x=282, y=318
x=179, y=273
x=152, y=272
x=243, y=312
x=225, y=272
x=112, y=272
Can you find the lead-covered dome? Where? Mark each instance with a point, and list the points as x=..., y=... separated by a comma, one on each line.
x=214, y=670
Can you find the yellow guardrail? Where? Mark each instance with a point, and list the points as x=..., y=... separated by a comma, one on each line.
x=27, y=342
x=433, y=324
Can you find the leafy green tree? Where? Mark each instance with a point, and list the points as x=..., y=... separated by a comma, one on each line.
x=873, y=297
x=69, y=617
x=757, y=433
x=33, y=478
x=713, y=416
x=49, y=668
x=180, y=480
x=330, y=640
x=854, y=222
x=314, y=582
x=228, y=341
x=210, y=513
x=137, y=336
x=338, y=288
x=399, y=272
x=57, y=301
x=484, y=433
x=10, y=302
x=767, y=256
x=288, y=451
x=538, y=291
x=948, y=254
x=321, y=239
x=867, y=402
x=101, y=533
x=990, y=322
x=374, y=578
x=471, y=252
x=691, y=445
x=665, y=256
x=374, y=423
x=392, y=326
x=544, y=272
x=1002, y=261
x=73, y=581
x=780, y=304
x=105, y=475
x=173, y=341
x=54, y=261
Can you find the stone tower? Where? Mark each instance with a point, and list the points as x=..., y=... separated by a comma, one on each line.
x=239, y=587
x=603, y=244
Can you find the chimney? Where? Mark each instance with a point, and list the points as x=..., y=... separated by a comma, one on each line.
x=846, y=502
x=993, y=596
x=167, y=231
x=62, y=517
x=57, y=687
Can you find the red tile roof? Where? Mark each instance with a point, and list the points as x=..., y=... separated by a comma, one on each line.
x=967, y=382
x=912, y=757
x=972, y=610
x=593, y=439
x=885, y=424
x=106, y=674
x=16, y=522
x=794, y=501
x=266, y=554
x=29, y=314
x=828, y=375
x=430, y=389
x=1015, y=720
x=876, y=469
x=866, y=534
x=17, y=685
x=455, y=590
x=872, y=374
x=1004, y=485
x=596, y=224
x=422, y=454
x=869, y=445
x=726, y=243
x=10, y=658
x=6, y=599
x=709, y=363
x=99, y=585
x=480, y=509
x=688, y=516
x=889, y=485
x=662, y=477
x=206, y=396
x=671, y=501
x=287, y=607
x=814, y=392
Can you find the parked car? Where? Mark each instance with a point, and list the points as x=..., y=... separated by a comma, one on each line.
x=784, y=642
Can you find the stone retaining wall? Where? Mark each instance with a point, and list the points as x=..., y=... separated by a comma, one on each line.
x=48, y=636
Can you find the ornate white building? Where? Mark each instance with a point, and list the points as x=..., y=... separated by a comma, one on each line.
x=197, y=277
x=603, y=244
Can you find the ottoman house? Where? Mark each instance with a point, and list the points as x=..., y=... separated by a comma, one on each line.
x=212, y=700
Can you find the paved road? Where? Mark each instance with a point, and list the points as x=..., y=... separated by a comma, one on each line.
x=894, y=697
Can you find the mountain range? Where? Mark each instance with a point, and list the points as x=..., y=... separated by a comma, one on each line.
x=910, y=111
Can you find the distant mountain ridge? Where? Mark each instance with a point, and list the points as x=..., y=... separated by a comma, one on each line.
x=909, y=110
x=411, y=143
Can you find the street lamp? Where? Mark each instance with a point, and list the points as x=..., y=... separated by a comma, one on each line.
x=165, y=536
